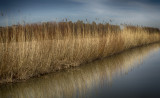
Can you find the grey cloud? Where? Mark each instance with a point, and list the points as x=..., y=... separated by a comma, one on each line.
x=143, y=12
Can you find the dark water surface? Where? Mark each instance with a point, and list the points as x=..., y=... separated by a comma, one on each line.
x=132, y=74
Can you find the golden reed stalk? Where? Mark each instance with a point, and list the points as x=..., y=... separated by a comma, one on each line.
x=78, y=82
x=35, y=49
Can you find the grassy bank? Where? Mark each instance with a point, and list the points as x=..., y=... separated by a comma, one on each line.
x=35, y=49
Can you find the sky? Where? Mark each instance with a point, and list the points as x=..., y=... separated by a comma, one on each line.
x=134, y=12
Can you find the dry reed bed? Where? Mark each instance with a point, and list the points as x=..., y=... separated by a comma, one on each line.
x=36, y=49
x=80, y=80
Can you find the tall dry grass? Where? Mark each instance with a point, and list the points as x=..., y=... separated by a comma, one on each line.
x=78, y=82
x=35, y=49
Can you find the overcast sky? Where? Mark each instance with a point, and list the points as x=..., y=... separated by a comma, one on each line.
x=136, y=12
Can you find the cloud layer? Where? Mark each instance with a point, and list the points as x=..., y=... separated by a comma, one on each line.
x=141, y=12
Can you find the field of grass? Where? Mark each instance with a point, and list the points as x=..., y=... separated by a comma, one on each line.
x=35, y=49
x=80, y=80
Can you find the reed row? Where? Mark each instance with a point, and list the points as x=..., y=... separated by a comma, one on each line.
x=79, y=81
x=34, y=49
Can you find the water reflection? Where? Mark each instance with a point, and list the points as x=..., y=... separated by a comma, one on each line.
x=80, y=81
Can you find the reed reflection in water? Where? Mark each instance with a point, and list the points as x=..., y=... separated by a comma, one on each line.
x=78, y=82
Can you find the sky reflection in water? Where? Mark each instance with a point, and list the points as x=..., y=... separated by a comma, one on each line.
x=133, y=73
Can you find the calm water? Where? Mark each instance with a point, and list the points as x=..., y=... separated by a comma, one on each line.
x=134, y=73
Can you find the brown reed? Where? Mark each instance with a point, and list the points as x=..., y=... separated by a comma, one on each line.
x=35, y=49
x=80, y=80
